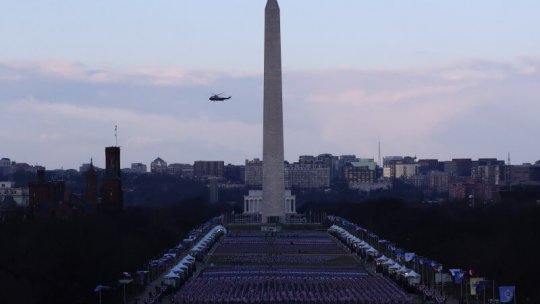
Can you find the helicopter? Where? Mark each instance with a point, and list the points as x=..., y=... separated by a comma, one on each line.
x=218, y=97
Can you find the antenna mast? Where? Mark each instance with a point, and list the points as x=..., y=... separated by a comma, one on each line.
x=508, y=181
x=379, y=160
x=116, y=135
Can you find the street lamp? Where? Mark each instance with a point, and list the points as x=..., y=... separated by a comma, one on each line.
x=101, y=288
x=124, y=281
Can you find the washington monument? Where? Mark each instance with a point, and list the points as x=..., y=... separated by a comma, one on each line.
x=273, y=200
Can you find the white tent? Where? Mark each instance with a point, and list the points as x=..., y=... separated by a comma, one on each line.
x=171, y=275
x=403, y=270
x=171, y=279
x=412, y=274
x=394, y=268
x=372, y=251
x=389, y=262
x=365, y=245
x=412, y=277
x=382, y=259
x=178, y=269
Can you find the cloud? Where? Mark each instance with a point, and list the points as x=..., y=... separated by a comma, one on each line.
x=467, y=109
x=138, y=132
x=159, y=76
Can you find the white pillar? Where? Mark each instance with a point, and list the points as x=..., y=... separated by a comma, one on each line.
x=273, y=149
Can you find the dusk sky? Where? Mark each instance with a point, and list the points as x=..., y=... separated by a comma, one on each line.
x=435, y=79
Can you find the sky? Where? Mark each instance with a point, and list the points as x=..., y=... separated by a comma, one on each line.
x=432, y=79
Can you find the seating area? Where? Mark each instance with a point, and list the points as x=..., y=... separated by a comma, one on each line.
x=283, y=272
x=265, y=259
x=283, y=243
x=290, y=289
x=279, y=248
x=285, y=267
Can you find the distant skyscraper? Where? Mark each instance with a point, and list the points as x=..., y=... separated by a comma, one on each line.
x=158, y=166
x=203, y=169
x=273, y=203
x=91, y=185
x=112, y=158
x=111, y=191
x=45, y=197
x=138, y=168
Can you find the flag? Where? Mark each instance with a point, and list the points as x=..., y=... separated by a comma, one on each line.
x=458, y=278
x=473, y=282
x=454, y=271
x=480, y=286
x=506, y=293
x=399, y=254
x=409, y=256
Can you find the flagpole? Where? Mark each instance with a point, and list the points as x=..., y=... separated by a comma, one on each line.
x=461, y=288
x=442, y=281
x=493, y=290
x=515, y=295
x=466, y=293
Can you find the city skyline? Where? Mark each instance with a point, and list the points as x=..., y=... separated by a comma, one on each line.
x=467, y=87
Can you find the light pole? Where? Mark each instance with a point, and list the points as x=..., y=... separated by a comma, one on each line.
x=100, y=288
x=124, y=282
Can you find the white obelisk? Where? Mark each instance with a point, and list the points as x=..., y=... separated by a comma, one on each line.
x=273, y=202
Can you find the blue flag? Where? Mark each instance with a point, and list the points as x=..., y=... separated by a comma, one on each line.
x=506, y=293
x=458, y=278
x=409, y=256
x=481, y=286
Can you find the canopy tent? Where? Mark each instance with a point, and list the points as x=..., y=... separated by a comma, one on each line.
x=403, y=270
x=183, y=264
x=365, y=245
x=389, y=262
x=394, y=268
x=381, y=259
x=412, y=277
x=204, y=242
x=171, y=279
x=180, y=269
x=171, y=275
x=372, y=251
x=412, y=274
x=353, y=240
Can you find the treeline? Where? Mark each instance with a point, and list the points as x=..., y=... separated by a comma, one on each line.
x=62, y=261
x=500, y=242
